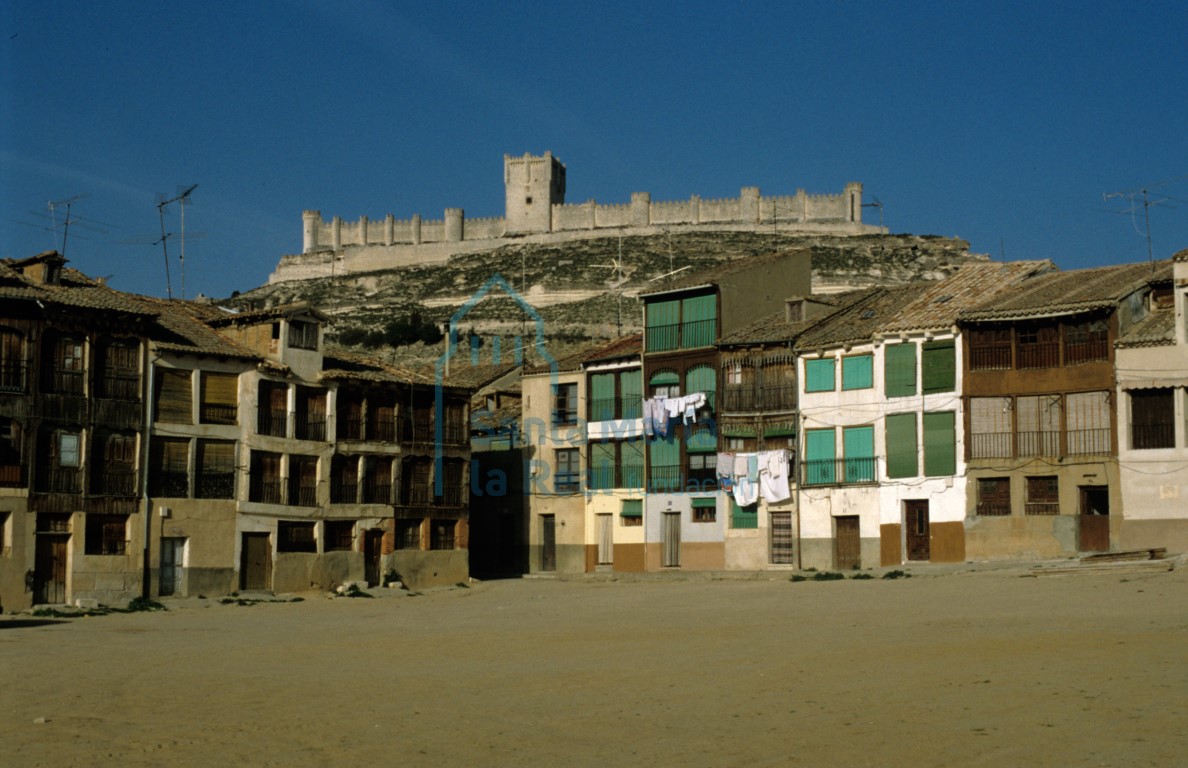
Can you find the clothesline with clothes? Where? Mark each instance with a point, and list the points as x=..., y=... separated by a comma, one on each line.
x=749, y=475
x=659, y=410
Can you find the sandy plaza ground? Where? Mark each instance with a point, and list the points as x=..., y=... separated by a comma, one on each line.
x=952, y=667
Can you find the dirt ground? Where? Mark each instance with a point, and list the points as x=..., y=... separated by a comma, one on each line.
x=949, y=668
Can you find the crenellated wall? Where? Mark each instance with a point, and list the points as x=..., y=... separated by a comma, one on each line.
x=535, y=206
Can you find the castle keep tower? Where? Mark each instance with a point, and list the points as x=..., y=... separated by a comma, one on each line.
x=533, y=185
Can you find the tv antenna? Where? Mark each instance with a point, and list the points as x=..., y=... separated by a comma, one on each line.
x=183, y=197
x=875, y=203
x=1147, y=203
x=54, y=204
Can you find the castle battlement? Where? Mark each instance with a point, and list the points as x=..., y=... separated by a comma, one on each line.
x=534, y=205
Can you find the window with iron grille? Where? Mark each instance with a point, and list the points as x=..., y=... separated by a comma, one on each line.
x=295, y=536
x=567, y=477
x=1152, y=418
x=310, y=418
x=265, y=478
x=408, y=534
x=377, y=480
x=173, y=396
x=169, y=468
x=441, y=534
x=106, y=534
x=303, y=335
x=215, y=470
x=344, y=479
x=349, y=415
x=416, y=487
x=994, y=497
x=340, y=536
x=1043, y=495
x=565, y=404
x=452, y=487
x=303, y=481
x=272, y=408
x=218, y=398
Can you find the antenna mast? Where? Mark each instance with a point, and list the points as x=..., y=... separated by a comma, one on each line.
x=52, y=204
x=183, y=197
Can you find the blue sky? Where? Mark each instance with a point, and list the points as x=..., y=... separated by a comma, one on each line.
x=1001, y=123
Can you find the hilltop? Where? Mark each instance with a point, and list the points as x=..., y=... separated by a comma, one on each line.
x=575, y=289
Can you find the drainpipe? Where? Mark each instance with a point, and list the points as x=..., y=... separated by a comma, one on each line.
x=146, y=430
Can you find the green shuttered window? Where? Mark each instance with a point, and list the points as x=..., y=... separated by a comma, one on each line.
x=631, y=392
x=858, y=449
x=899, y=370
x=939, y=363
x=743, y=517
x=940, y=444
x=818, y=375
x=602, y=397
x=819, y=448
x=699, y=321
x=663, y=325
x=903, y=455
x=858, y=372
x=631, y=508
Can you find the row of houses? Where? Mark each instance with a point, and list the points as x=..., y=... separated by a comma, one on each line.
x=152, y=447
x=1011, y=410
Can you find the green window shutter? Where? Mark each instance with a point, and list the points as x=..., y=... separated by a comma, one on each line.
x=820, y=466
x=602, y=397
x=939, y=363
x=664, y=379
x=858, y=452
x=701, y=439
x=699, y=325
x=664, y=463
x=702, y=378
x=602, y=466
x=704, y=503
x=631, y=508
x=663, y=325
x=858, y=372
x=743, y=517
x=940, y=444
x=818, y=375
x=902, y=452
x=899, y=370
x=631, y=457
x=631, y=392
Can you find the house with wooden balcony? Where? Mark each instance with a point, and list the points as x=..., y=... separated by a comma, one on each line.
x=881, y=477
x=758, y=411
x=686, y=517
x=1042, y=406
x=72, y=361
x=1152, y=405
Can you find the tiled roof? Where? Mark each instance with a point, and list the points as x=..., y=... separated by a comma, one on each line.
x=1157, y=329
x=339, y=364
x=714, y=274
x=181, y=328
x=1180, y=255
x=1063, y=293
x=937, y=305
x=617, y=349
x=774, y=328
x=270, y=313
x=861, y=320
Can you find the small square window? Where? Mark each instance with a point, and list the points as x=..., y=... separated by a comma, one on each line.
x=68, y=450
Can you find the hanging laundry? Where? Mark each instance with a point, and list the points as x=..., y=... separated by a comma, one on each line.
x=773, y=476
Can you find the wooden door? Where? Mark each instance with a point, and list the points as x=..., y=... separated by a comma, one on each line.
x=1093, y=531
x=255, y=567
x=847, y=543
x=172, y=555
x=49, y=568
x=606, y=545
x=781, y=538
x=372, y=552
x=672, y=539
x=918, y=530
x=548, y=543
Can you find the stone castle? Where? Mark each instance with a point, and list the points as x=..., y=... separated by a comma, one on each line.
x=535, y=211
